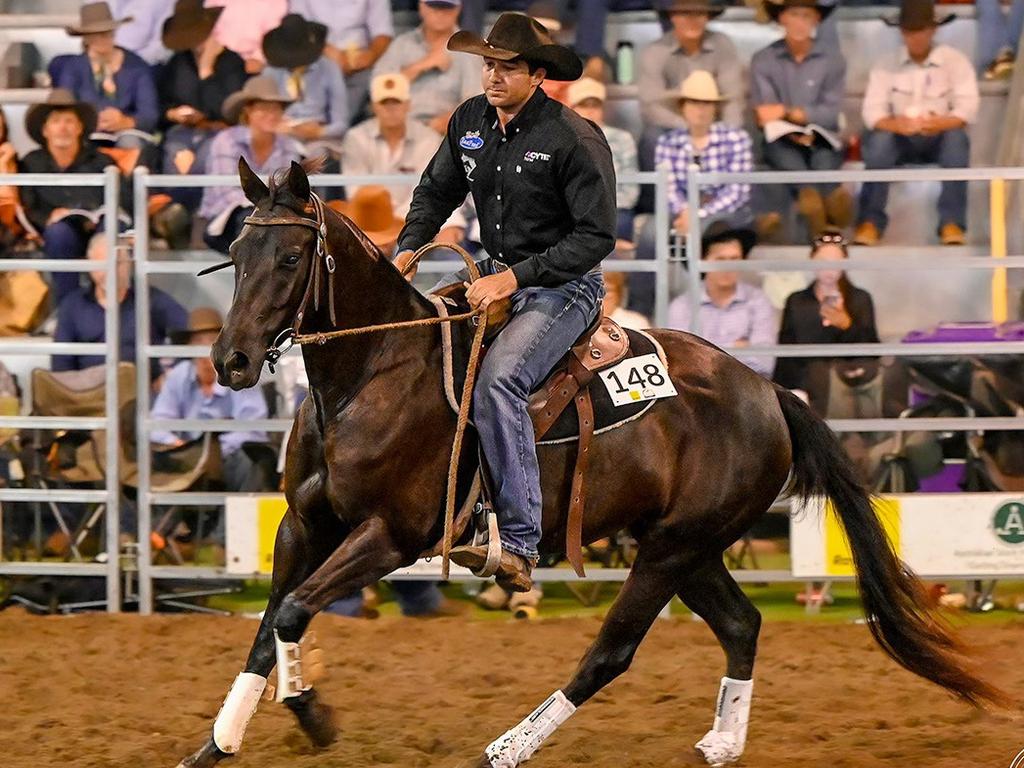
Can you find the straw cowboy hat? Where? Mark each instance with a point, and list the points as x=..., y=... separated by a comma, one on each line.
x=774, y=9
x=515, y=36
x=712, y=8
x=95, y=18
x=189, y=25
x=700, y=85
x=59, y=98
x=372, y=211
x=261, y=88
x=296, y=43
x=586, y=88
x=200, y=320
x=916, y=15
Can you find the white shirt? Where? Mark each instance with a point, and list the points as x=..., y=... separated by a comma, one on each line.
x=943, y=84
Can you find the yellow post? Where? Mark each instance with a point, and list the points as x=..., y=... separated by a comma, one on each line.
x=997, y=226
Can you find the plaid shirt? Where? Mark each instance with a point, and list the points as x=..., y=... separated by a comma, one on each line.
x=730, y=149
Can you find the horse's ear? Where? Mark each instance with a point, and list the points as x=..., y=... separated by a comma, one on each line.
x=255, y=190
x=298, y=182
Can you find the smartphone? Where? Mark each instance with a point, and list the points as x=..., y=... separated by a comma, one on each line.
x=832, y=300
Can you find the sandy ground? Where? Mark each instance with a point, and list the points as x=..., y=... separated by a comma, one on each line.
x=132, y=691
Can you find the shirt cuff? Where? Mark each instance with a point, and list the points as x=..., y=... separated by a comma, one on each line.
x=525, y=272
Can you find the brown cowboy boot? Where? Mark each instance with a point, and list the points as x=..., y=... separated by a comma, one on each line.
x=513, y=570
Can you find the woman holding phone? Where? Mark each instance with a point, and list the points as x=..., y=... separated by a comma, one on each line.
x=831, y=310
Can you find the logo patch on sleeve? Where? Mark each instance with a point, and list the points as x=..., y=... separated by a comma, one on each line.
x=471, y=140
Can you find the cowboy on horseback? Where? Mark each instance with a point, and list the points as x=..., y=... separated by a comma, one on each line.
x=544, y=187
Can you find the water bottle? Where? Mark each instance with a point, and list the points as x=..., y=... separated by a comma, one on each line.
x=624, y=69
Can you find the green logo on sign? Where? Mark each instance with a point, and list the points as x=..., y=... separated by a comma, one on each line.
x=1008, y=522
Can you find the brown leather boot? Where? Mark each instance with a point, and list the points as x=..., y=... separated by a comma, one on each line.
x=839, y=208
x=867, y=234
x=812, y=207
x=952, y=234
x=513, y=570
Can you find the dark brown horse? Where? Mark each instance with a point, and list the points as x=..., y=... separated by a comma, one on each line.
x=366, y=471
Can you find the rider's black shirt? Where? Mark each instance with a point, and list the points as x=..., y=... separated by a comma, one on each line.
x=544, y=189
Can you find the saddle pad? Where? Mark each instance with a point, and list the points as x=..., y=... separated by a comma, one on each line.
x=456, y=340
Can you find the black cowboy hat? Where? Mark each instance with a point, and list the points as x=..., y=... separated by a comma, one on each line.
x=773, y=9
x=721, y=232
x=712, y=8
x=517, y=36
x=59, y=98
x=189, y=25
x=918, y=14
x=296, y=43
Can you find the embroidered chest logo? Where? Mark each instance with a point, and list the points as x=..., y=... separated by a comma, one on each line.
x=468, y=165
x=531, y=157
x=471, y=140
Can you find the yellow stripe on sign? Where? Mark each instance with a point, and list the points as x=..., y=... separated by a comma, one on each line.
x=838, y=558
x=269, y=513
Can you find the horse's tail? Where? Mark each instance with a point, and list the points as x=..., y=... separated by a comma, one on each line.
x=893, y=598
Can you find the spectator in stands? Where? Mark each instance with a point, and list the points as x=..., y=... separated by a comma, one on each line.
x=797, y=89
x=242, y=26
x=392, y=143
x=358, y=33
x=191, y=391
x=831, y=310
x=193, y=85
x=687, y=47
x=258, y=108
x=140, y=28
x=587, y=97
x=917, y=107
x=372, y=210
x=11, y=230
x=614, y=303
x=319, y=115
x=115, y=81
x=439, y=81
x=59, y=126
x=81, y=316
x=998, y=36
x=733, y=314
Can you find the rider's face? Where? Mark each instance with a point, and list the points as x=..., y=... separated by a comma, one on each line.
x=508, y=84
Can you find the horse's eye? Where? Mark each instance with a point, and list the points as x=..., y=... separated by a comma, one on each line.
x=292, y=259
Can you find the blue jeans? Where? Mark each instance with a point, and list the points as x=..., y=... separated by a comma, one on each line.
x=416, y=598
x=785, y=155
x=544, y=325
x=997, y=31
x=65, y=239
x=883, y=149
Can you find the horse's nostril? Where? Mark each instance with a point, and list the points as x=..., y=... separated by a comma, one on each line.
x=237, y=363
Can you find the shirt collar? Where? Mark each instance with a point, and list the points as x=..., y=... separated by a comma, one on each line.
x=705, y=44
x=930, y=60
x=526, y=114
x=783, y=51
x=740, y=296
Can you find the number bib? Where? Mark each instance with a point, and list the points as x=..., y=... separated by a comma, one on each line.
x=637, y=379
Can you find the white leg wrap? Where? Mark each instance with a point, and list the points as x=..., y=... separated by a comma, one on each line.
x=517, y=745
x=724, y=743
x=290, y=682
x=238, y=708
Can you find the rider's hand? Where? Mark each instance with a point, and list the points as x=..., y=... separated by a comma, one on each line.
x=486, y=290
x=402, y=261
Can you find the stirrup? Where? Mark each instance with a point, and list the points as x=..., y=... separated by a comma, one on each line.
x=485, y=533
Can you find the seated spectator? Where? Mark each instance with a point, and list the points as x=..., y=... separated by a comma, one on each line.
x=59, y=126
x=139, y=31
x=439, y=81
x=190, y=391
x=192, y=86
x=372, y=211
x=259, y=110
x=998, y=36
x=831, y=310
x=319, y=114
x=587, y=97
x=358, y=33
x=392, y=143
x=614, y=303
x=81, y=316
x=797, y=85
x=917, y=107
x=115, y=81
x=11, y=229
x=242, y=26
x=733, y=314
x=687, y=47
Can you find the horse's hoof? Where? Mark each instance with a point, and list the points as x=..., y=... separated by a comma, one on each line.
x=206, y=757
x=718, y=748
x=483, y=762
x=315, y=718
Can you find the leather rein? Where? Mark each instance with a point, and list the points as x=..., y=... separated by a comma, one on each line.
x=323, y=269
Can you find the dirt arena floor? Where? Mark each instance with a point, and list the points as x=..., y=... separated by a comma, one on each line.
x=131, y=691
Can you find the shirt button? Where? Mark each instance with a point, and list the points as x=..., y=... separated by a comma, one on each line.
x=499, y=168
x=499, y=197
x=504, y=140
x=497, y=226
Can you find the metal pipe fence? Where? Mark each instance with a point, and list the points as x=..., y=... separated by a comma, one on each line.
x=660, y=266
